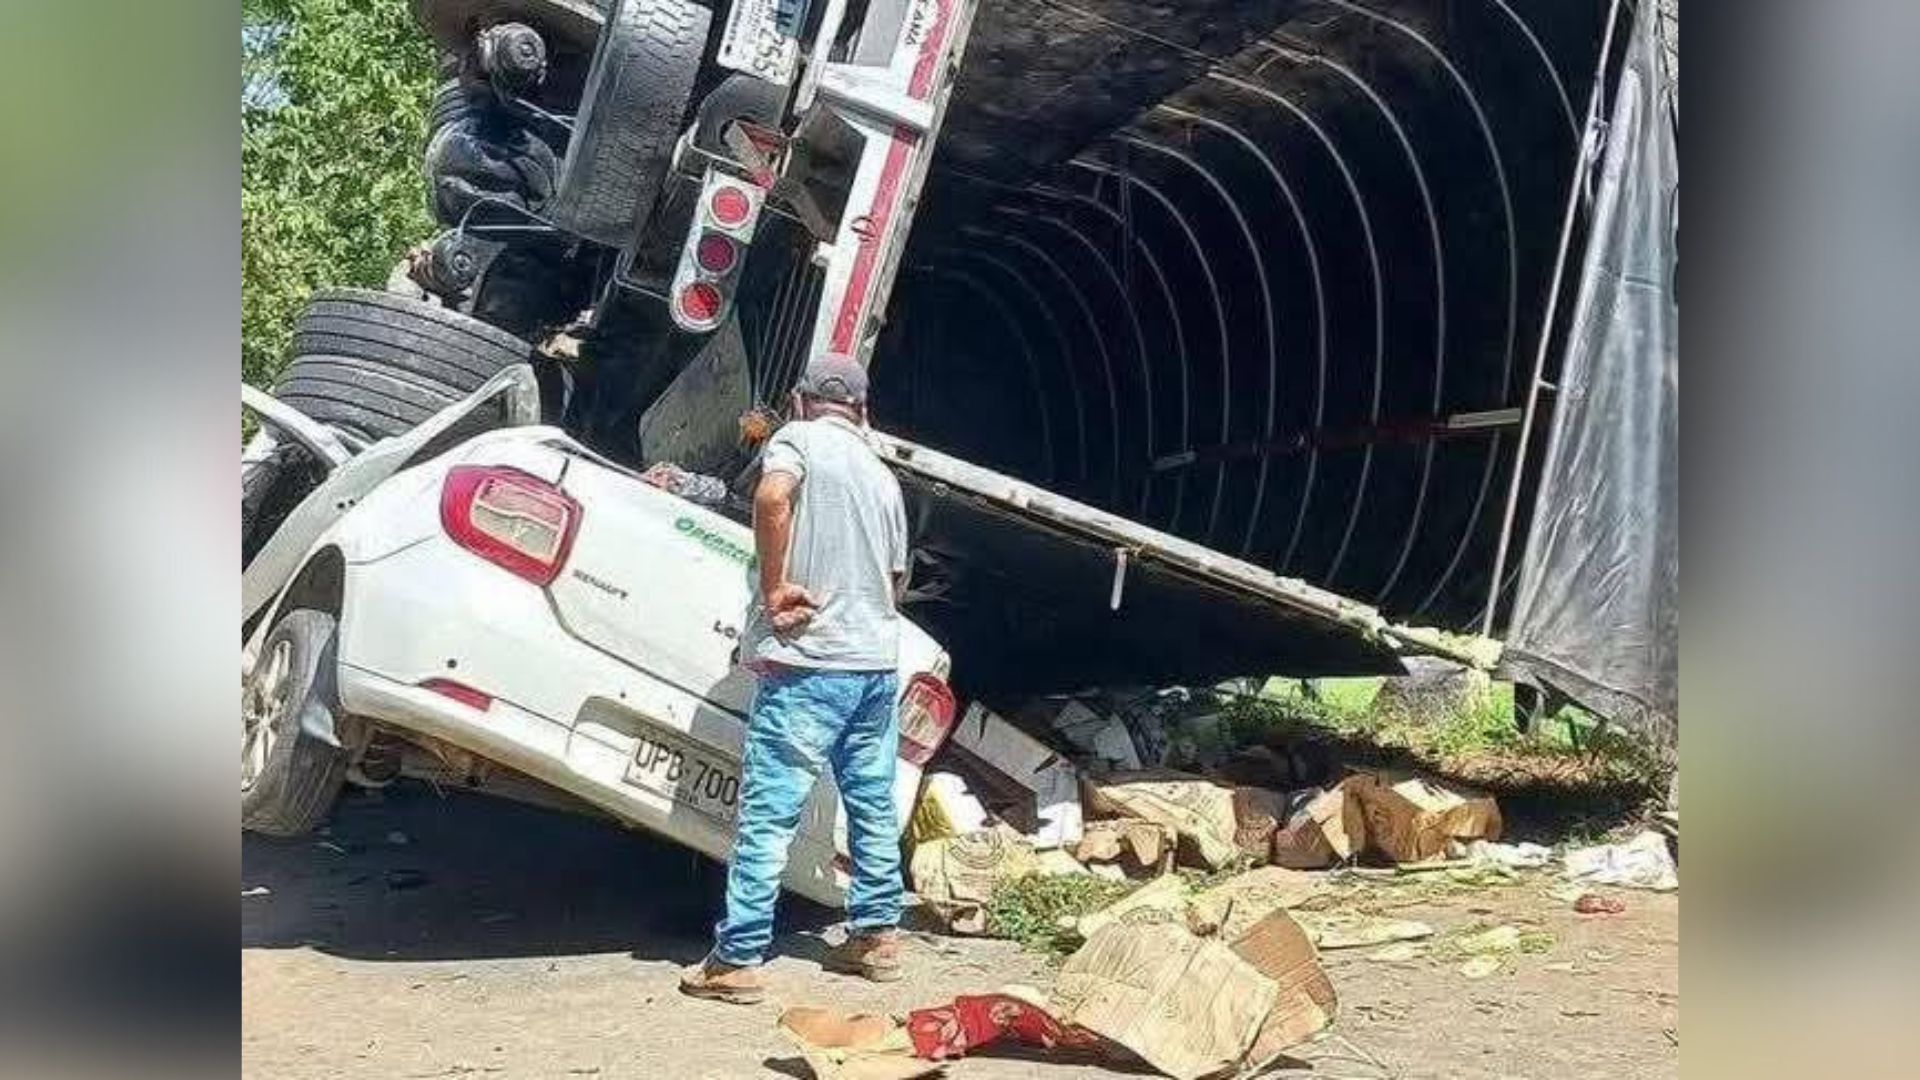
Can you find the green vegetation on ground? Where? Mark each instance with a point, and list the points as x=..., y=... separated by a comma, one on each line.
x=1038, y=910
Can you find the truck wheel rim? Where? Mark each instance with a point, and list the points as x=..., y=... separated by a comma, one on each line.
x=261, y=700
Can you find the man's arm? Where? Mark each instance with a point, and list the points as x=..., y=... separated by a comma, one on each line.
x=772, y=537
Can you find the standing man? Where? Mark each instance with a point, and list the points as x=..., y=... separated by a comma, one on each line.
x=830, y=533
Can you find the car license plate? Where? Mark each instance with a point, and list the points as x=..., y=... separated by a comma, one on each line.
x=674, y=767
x=762, y=38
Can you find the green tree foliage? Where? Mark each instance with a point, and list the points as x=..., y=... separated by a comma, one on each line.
x=333, y=103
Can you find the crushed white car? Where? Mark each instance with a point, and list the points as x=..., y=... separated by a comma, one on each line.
x=520, y=609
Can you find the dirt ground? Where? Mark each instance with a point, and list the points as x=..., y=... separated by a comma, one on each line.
x=456, y=936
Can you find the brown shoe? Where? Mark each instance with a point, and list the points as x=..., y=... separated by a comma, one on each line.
x=716, y=981
x=872, y=955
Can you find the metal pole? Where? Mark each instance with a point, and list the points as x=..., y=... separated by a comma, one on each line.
x=1582, y=164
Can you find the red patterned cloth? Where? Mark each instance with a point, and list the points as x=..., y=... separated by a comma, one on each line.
x=974, y=1020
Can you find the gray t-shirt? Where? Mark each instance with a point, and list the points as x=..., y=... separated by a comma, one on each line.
x=849, y=539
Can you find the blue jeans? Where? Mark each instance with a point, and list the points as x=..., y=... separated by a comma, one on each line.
x=804, y=718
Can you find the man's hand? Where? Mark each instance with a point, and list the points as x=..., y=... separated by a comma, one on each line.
x=790, y=608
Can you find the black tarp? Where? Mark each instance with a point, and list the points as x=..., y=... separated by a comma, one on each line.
x=1596, y=615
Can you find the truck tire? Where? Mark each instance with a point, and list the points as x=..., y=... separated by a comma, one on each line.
x=379, y=364
x=288, y=778
x=636, y=98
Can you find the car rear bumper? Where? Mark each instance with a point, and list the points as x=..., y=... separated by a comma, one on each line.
x=561, y=710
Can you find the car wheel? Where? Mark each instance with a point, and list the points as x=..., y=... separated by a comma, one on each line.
x=637, y=94
x=380, y=364
x=288, y=777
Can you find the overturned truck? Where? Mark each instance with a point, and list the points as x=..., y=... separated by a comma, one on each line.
x=1208, y=352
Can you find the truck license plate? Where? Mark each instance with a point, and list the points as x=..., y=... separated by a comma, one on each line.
x=674, y=767
x=762, y=38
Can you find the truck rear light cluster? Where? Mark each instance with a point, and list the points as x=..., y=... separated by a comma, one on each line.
x=509, y=518
x=926, y=718
x=716, y=246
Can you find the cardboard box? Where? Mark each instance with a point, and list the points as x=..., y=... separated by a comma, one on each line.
x=1327, y=827
x=1257, y=814
x=1047, y=779
x=1143, y=848
x=1411, y=818
x=1199, y=811
x=1232, y=907
x=956, y=876
x=1160, y=901
x=1188, y=1006
x=1304, y=1002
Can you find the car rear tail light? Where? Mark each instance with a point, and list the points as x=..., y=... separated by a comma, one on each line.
x=460, y=692
x=715, y=248
x=926, y=718
x=509, y=518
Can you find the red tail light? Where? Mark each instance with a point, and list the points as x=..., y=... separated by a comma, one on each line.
x=700, y=303
x=509, y=518
x=926, y=718
x=715, y=253
x=730, y=206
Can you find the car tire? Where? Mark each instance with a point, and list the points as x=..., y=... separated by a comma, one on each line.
x=638, y=92
x=289, y=778
x=380, y=364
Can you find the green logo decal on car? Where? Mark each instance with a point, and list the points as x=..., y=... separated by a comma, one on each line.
x=714, y=542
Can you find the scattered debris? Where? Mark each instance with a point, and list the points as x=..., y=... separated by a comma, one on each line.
x=1641, y=863
x=1322, y=828
x=1102, y=737
x=1353, y=929
x=1400, y=952
x=1049, y=782
x=1144, y=847
x=257, y=890
x=1493, y=941
x=956, y=876
x=1235, y=906
x=1199, y=811
x=1163, y=900
x=946, y=808
x=1410, y=819
x=856, y=1046
x=1479, y=967
x=971, y=1021
x=1188, y=1006
x=1523, y=856
x=1055, y=862
x=1595, y=904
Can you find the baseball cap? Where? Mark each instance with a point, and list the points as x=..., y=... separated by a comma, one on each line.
x=834, y=378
